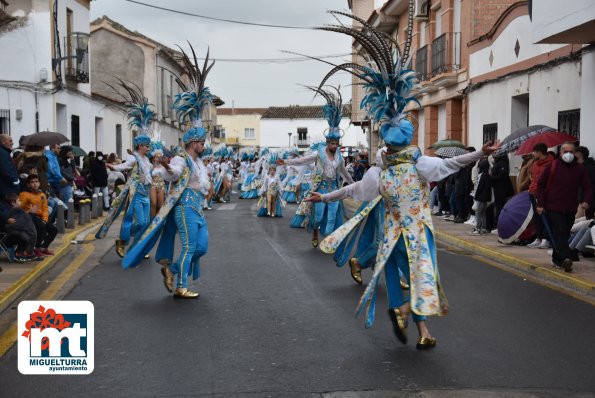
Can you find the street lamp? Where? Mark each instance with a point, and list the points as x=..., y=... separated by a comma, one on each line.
x=289, y=134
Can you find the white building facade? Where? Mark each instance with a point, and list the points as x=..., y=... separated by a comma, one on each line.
x=515, y=82
x=301, y=126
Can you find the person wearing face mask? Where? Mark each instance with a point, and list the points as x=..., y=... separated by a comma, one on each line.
x=557, y=197
x=99, y=178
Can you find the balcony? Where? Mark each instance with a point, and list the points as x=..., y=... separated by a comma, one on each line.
x=446, y=58
x=421, y=64
x=77, y=53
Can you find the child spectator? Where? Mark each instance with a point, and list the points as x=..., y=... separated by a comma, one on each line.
x=35, y=202
x=20, y=229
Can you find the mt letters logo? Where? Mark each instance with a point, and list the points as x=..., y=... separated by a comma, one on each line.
x=56, y=337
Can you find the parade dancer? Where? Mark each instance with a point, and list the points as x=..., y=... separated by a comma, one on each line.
x=182, y=211
x=328, y=170
x=402, y=185
x=158, y=188
x=270, y=203
x=134, y=197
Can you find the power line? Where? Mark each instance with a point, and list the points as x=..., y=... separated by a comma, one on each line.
x=275, y=60
x=218, y=19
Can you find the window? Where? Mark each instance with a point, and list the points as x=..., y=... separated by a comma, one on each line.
x=302, y=134
x=490, y=132
x=119, y=140
x=5, y=121
x=570, y=122
x=249, y=134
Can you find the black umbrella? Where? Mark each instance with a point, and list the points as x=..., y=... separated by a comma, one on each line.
x=450, y=152
x=516, y=139
x=44, y=138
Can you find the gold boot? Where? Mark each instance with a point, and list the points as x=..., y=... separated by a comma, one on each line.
x=168, y=279
x=356, y=270
x=426, y=342
x=184, y=293
x=120, y=247
x=399, y=324
x=404, y=285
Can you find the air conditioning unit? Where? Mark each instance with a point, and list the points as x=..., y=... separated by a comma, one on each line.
x=422, y=9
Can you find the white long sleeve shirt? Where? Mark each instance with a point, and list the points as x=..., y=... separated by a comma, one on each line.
x=330, y=166
x=199, y=177
x=144, y=167
x=429, y=168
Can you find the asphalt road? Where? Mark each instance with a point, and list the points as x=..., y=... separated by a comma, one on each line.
x=275, y=318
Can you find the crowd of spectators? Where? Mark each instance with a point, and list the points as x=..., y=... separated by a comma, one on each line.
x=35, y=183
x=559, y=185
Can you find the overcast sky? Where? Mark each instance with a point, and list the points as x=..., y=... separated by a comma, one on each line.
x=246, y=84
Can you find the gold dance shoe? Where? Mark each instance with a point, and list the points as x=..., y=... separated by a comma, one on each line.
x=399, y=324
x=426, y=342
x=356, y=270
x=147, y=256
x=404, y=285
x=184, y=293
x=314, y=242
x=120, y=247
x=168, y=279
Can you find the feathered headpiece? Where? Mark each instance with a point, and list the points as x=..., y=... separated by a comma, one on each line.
x=157, y=149
x=388, y=81
x=332, y=111
x=190, y=103
x=207, y=152
x=140, y=112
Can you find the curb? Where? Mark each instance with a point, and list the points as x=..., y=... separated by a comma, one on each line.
x=7, y=297
x=584, y=287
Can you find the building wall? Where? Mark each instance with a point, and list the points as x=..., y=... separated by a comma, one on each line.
x=274, y=132
x=486, y=13
x=550, y=91
x=234, y=126
x=114, y=55
x=502, y=49
x=551, y=17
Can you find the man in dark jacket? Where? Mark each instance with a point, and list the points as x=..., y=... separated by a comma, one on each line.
x=558, y=195
x=501, y=184
x=9, y=178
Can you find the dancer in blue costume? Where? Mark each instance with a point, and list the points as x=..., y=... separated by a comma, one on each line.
x=135, y=196
x=182, y=211
x=402, y=185
x=328, y=170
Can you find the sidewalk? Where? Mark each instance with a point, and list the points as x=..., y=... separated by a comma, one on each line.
x=533, y=262
x=15, y=278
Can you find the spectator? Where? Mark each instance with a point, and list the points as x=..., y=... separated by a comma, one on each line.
x=99, y=178
x=462, y=189
x=523, y=180
x=35, y=202
x=501, y=184
x=541, y=162
x=111, y=159
x=582, y=157
x=483, y=195
x=359, y=168
x=20, y=229
x=558, y=195
x=68, y=170
x=55, y=179
x=33, y=161
x=9, y=177
x=87, y=164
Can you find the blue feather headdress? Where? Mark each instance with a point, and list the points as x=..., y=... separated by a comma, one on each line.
x=332, y=111
x=190, y=103
x=207, y=152
x=140, y=112
x=388, y=81
x=157, y=149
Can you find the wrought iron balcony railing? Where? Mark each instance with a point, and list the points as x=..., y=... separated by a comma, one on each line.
x=446, y=53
